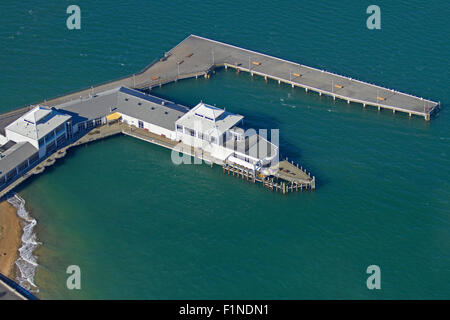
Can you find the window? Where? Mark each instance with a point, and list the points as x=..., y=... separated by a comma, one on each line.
x=11, y=174
x=190, y=131
x=98, y=122
x=141, y=124
x=89, y=124
x=61, y=139
x=49, y=136
x=81, y=126
x=51, y=146
x=59, y=129
x=213, y=139
x=200, y=135
x=179, y=128
x=41, y=142
x=34, y=158
x=23, y=166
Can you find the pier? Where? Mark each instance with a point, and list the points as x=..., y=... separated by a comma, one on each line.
x=198, y=57
x=120, y=107
x=289, y=177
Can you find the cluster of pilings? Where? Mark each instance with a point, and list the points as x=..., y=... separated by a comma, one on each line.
x=283, y=186
x=240, y=171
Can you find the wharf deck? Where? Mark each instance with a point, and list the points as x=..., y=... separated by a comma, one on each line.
x=290, y=172
x=196, y=56
x=208, y=52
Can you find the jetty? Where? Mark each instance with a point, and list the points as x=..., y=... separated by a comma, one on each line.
x=42, y=135
x=197, y=56
x=35, y=136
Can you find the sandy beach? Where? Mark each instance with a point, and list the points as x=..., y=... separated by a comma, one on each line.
x=10, y=238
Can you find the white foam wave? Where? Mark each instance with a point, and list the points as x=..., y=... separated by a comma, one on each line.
x=27, y=262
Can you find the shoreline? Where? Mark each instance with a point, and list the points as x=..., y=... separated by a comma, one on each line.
x=11, y=232
x=26, y=262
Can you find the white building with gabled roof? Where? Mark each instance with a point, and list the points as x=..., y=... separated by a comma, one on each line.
x=205, y=126
x=42, y=127
x=217, y=131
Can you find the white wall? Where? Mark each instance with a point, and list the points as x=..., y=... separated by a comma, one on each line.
x=149, y=126
x=3, y=139
x=16, y=137
x=217, y=151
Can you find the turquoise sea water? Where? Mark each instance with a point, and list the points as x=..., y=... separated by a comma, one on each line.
x=140, y=227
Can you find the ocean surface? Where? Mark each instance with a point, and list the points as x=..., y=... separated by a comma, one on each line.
x=139, y=226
